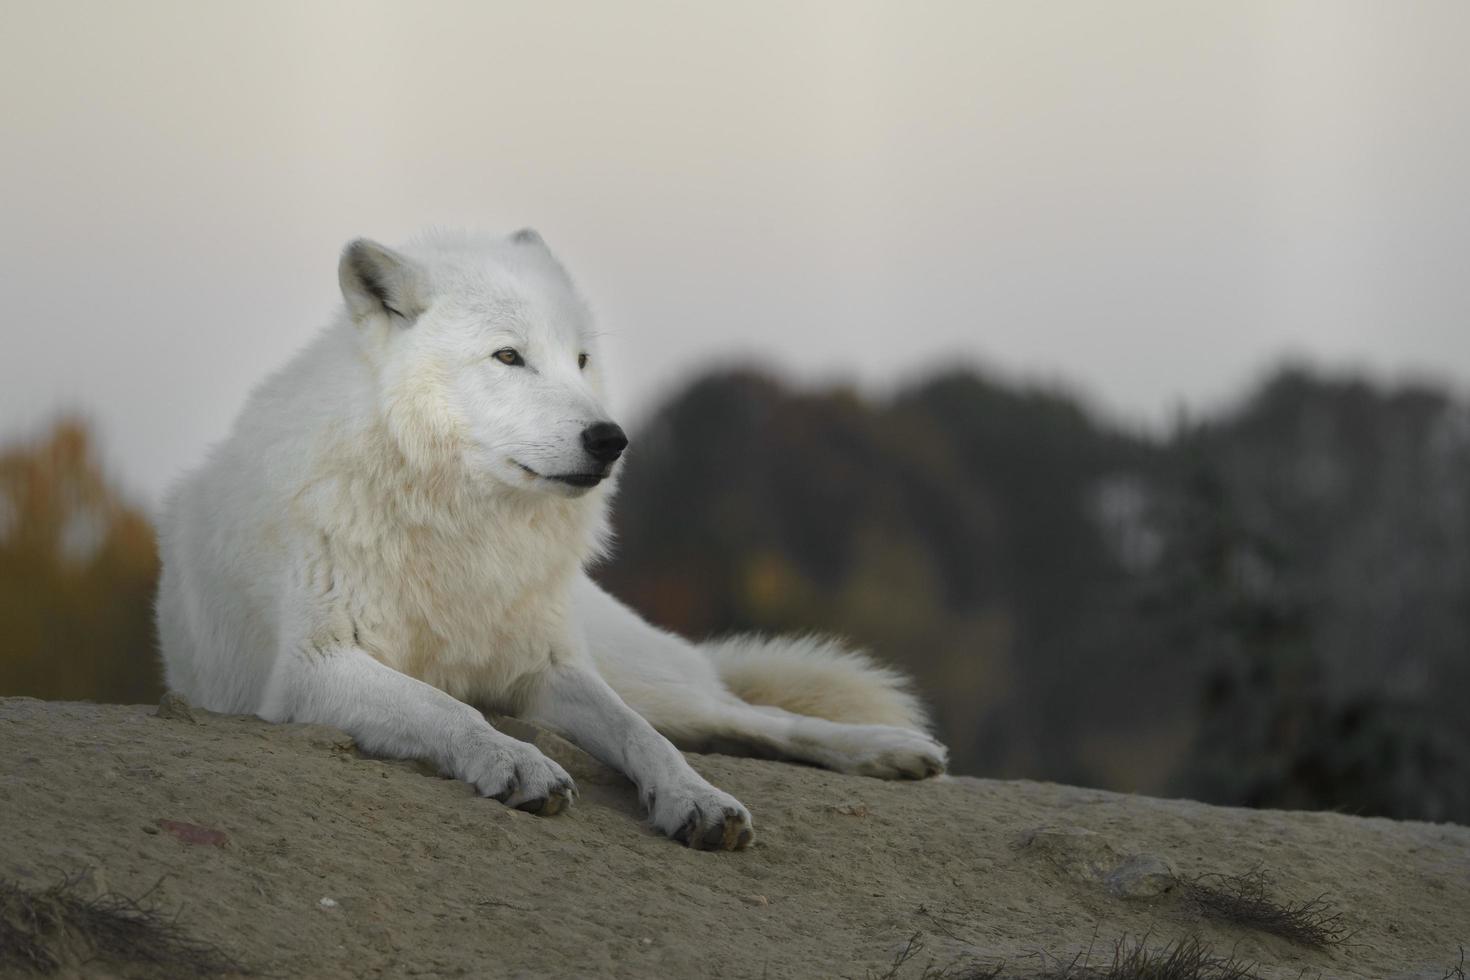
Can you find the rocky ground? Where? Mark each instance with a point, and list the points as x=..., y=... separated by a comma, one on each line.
x=284, y=851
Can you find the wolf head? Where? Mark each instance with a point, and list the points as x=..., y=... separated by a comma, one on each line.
x=484, y=356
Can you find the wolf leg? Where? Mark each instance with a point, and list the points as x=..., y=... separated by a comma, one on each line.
x=389, y=713
x=880, y=751
x=700, y=719
x=673, y=685
x=579, y=703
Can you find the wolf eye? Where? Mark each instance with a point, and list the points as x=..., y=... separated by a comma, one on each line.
x=582, y=360
x=509, y=355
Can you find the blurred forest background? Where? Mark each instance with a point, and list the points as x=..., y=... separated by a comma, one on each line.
x=1268, y=608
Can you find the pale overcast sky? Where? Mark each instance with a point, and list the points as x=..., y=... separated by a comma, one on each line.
x=1151, y=201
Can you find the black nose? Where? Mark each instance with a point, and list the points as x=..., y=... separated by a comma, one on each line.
x=604, y=441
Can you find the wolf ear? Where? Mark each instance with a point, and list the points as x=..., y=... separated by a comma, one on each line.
x=530, y=238
x=379, y=280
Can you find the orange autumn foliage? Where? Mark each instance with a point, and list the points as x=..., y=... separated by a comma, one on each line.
x=78, y=569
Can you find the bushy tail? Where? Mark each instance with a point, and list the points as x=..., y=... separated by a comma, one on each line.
x=811, y=675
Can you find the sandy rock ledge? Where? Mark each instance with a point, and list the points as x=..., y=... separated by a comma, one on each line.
x=297, y=856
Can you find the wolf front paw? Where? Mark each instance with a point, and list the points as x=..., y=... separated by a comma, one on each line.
x=518, y=775
x=886, y=752
x=701, y=816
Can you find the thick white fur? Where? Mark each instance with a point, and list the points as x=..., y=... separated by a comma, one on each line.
x=379, y=545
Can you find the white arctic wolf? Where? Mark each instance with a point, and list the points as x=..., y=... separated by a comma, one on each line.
x=393, y=537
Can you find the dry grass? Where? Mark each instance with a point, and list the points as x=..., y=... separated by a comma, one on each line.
x=1244, y=900
x=1188, y=959
x=54, y=928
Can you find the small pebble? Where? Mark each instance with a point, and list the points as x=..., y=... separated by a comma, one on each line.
x=755, y=900
x=328, y=903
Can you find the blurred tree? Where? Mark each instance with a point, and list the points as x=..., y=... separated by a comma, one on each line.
x=1274, y=730
x=78, y=569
